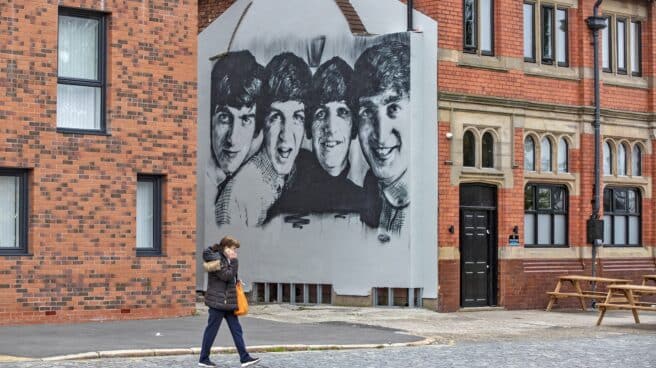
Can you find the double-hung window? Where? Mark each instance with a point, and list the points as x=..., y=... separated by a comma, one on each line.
x=621, y=44
x=13, y=211
x=478, y=26
x=545, y=33
x=81, y=71
x=545, y=215
x=622, y=216
x=149, y=215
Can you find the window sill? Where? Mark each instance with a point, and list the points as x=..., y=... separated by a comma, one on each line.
x=150, y=254
x=482, y=62
x=83, y=132
x=622, y=246
x=624, y=81
x=14, y=253
x=626, y=180
x=550, y=71
x=545, y=246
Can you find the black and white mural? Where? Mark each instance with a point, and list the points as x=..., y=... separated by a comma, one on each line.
x=305, y=147
x=309, y=122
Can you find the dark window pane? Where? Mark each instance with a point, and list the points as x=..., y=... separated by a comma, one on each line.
x=528, y=198
x=631, y=201
x=620, y=201
x=488, y=150
x=470, y=24
x=558, y=199
x=544, y=198
x=608, y=194
x=468, y=149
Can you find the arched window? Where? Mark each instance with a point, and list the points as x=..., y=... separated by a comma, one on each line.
x=636, y=161
x=545, y=150
x=488, y=150
x=468, y=149
x=529, y=154
x=621, y=160
x=562, y=155
x=608, y=159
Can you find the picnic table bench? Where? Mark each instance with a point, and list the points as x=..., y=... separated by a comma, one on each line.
x=647, y=278
x=579, y=292
x=630, y=303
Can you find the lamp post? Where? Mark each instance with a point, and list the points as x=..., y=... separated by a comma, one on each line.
x=595, y=226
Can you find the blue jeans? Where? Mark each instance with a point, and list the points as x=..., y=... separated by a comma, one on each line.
x=213, y=324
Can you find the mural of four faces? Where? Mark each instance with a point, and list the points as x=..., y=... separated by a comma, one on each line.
x=285, y=103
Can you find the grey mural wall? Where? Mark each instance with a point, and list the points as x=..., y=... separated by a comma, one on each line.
x=305, y=149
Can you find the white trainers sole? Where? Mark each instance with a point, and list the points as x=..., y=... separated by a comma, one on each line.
x=206, y=365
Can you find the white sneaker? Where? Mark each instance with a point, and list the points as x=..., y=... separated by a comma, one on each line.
x=251, y=361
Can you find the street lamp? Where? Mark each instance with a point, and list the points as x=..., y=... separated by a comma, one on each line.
x=595, y=226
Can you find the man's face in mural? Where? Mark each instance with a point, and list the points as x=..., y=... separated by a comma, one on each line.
x=283, y=134
x=383, y=132
x=233, y=133
x=331, y=136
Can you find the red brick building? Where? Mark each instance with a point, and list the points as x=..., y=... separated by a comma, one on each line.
x=516, y=102
x=97, y=159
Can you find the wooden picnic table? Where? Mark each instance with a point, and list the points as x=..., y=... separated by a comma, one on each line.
x=579, y=292
x=647, y=278
x=630, y=303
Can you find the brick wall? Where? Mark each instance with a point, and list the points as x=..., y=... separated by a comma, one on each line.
x=208, y=10
x=82, y=188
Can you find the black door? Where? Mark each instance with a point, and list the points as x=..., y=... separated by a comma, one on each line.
x=477, y=246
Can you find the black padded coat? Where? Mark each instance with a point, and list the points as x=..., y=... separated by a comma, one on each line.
x=221, y=291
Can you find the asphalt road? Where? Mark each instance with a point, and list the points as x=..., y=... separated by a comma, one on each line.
x=39, y=341
x=608, y=351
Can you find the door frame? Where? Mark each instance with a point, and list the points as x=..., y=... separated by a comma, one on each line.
x=493, y=251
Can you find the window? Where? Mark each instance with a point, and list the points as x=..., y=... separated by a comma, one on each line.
x=606, y=54
x=149, y=215
x=621, y=216
x=621, y=160
x=608, y=159
x=529, y=32
x=81, y=71
x=636, y=161
x=621, y=46
x=13, y=211
x=545, y=155
x=621, y=43
x=488, y=150
x=552, y=40
x=545, y=215
x=636, y=52
x=478, y=26
x=562, y=155
x=468, y=149
x=529, y=154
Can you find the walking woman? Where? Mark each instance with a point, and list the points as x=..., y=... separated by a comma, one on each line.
x=221, y=297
